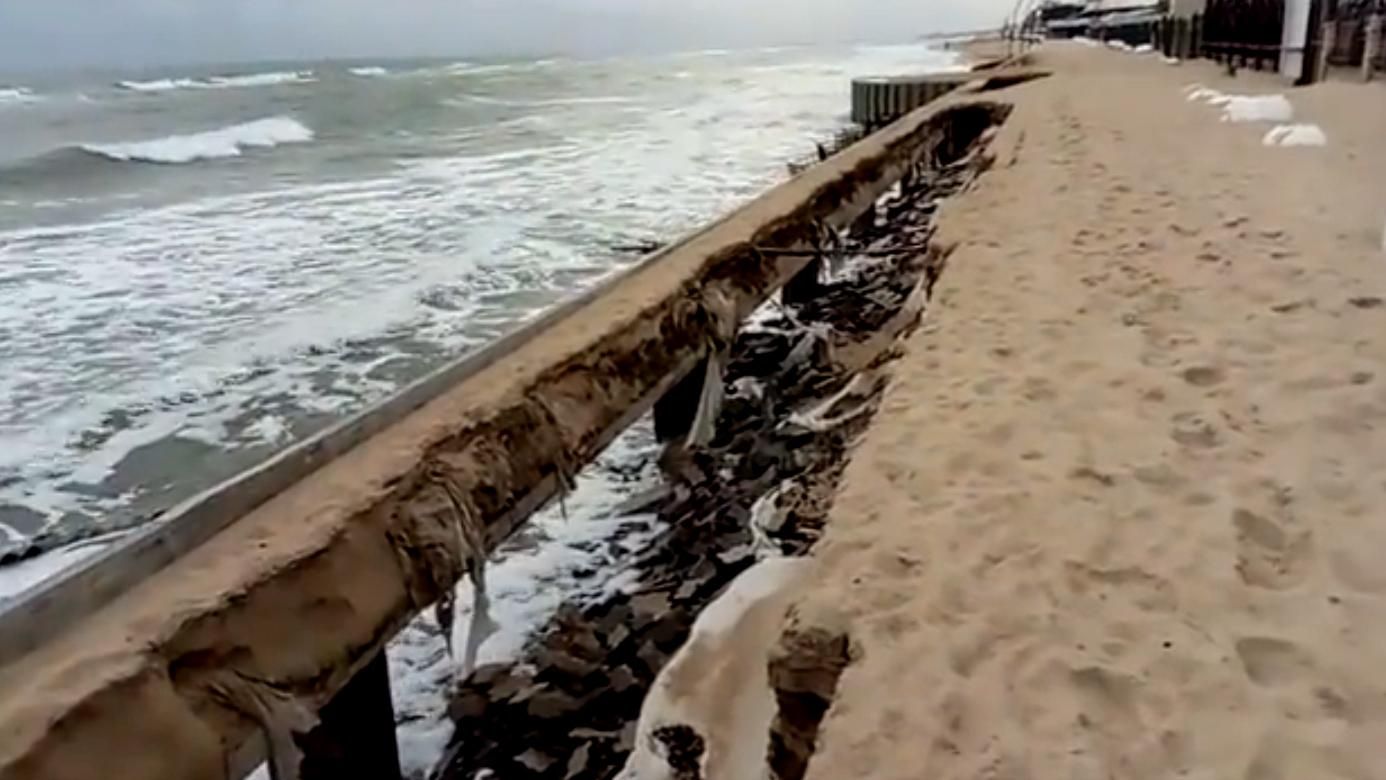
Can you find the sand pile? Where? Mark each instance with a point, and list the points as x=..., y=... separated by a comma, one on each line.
x=1121, y=512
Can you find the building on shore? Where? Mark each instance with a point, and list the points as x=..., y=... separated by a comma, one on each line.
x=1129, y=21
x=1300, y=39
x=1351, y=38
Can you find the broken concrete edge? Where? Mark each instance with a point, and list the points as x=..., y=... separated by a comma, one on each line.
x=815, y=647
x=804, y=669
x=297, y=595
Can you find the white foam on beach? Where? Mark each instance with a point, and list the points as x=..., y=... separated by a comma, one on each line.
x=369, y=72
x=1143, y=48
x=220, y=82
x=210, y=145
x=1295, y=135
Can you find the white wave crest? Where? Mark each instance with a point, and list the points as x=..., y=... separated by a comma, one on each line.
x=17, y=95
x=262, y=79
x=221, y=82
x=572, y=101
x=210, y=145
x=157, y=85
x=471, y=69
x=369, y=71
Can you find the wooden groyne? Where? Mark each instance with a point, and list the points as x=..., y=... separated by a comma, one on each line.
x=241, y=618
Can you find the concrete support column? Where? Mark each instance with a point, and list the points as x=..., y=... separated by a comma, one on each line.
x=356, y=734
x=1372, y=46
x=1295, y=39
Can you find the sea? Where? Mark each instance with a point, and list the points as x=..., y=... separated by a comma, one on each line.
x=201, y=265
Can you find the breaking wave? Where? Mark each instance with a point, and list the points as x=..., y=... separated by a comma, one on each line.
x=210, y=145
x=368, y=72
x=572, y=101
x=221, y=82
x=16, y=95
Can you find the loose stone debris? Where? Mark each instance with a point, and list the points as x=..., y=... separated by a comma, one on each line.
x=801, y=381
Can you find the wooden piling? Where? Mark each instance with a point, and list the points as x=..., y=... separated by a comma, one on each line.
x=674, y=412
x=355, y=736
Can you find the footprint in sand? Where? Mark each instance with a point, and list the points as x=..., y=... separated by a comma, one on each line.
x=1359, y=568
x=1192, y=430
x=1147, y=591
x=1267, y=555
x=1270, y=662
x=1038, y=389
x=1203, y=376
x=1108, y=701
x=1159, y=477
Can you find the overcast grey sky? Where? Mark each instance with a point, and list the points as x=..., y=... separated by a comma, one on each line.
x=41, y=34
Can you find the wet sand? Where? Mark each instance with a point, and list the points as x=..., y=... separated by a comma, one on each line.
x=1121, y=513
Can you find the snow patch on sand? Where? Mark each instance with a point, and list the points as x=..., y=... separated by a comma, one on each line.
x=1257, y=108
x=1243, y=108
x=732, y=709
x=1295, y=135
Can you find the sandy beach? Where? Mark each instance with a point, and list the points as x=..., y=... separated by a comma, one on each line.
x=1121, y=514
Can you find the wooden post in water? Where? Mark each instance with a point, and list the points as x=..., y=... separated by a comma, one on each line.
x=356, y=734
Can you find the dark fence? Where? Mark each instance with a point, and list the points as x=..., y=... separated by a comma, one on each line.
x=1180, y=36
x=1348, y=20
x=1244, y=33
x=1250, y=34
